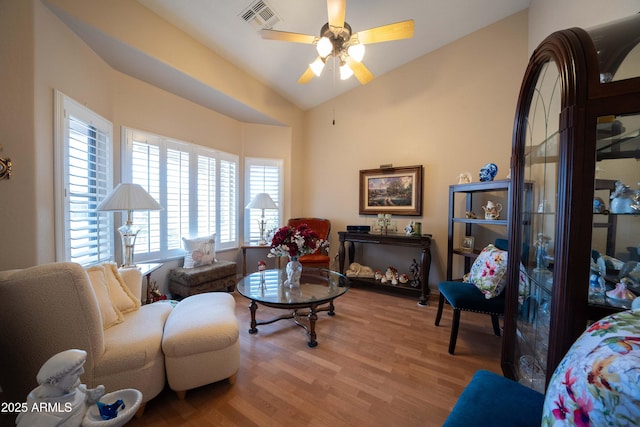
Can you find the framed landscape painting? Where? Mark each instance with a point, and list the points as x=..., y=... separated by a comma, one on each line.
x=396, y=191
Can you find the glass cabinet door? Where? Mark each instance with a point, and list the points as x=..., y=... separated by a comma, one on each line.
x=538, y=219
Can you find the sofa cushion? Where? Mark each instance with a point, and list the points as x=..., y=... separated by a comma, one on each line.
x=135, y=342
x=119, y=292
x=109, y=312
x=597, y=381
x=200, y=251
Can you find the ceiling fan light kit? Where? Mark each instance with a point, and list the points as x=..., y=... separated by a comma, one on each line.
x=337, y=40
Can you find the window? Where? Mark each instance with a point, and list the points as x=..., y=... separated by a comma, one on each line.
x=196, y=186
x=83, y=161
x=262, y=176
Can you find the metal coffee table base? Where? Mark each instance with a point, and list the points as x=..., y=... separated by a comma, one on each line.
x=298, y=317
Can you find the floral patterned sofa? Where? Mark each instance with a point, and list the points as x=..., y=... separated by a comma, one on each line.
x=596, y=384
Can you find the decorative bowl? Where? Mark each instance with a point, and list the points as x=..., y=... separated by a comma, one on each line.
x=132, y=399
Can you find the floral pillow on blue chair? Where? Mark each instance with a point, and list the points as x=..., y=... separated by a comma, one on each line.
x=598, y=381
x=488, y=271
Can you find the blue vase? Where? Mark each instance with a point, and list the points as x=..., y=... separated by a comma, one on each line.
x=488, y=172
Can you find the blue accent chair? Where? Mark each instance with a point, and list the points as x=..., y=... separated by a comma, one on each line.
x=493, y=400
x=466, y=297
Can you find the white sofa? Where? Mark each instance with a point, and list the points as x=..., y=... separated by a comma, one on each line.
x=50, y=308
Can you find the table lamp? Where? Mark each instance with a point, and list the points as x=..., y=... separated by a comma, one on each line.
x=262, y=201
x=128, y=197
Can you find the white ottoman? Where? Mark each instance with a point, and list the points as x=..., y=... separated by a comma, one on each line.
x=200, y=342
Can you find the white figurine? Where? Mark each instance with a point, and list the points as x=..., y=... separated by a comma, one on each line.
x=409, y=229
x=60, y=399
x=464, y=178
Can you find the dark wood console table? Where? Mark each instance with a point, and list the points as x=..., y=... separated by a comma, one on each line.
x=421, y=242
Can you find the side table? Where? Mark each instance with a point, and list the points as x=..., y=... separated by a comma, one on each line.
x=422, y=242
x=249, y=245
x=146, y=268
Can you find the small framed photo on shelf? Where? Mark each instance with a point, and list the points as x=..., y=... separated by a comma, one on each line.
x=467, y=243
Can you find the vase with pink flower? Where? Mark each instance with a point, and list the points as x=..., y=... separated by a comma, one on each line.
x=294, y=242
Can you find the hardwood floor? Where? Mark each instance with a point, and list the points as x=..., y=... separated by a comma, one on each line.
x=379, y=362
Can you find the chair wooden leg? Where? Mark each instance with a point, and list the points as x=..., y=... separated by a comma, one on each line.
x=440, y=307
x=454, y=331
x=496, y=325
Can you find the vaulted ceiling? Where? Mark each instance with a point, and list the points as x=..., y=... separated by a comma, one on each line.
x=219, y=24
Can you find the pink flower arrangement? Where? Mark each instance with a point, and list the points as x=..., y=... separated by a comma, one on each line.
x=295, y=241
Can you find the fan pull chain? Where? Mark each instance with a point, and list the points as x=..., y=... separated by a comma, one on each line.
x=333, y=112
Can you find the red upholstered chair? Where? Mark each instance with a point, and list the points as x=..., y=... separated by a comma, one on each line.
x=322, y=227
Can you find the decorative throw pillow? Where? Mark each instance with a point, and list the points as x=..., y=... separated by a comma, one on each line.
x=597, y=381
x=200, y=251
x=488, y=271
x=119, y=292
x=109, y=313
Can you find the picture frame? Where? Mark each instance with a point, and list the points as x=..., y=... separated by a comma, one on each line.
x=467, y=244
x=393, y=190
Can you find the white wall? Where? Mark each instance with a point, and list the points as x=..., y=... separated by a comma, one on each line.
x=547, y=16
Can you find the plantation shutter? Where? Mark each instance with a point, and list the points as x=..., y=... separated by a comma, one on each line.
x=262, y=176
x=84, y=178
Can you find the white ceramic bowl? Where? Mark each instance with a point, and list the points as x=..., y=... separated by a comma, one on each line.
x=132, y=399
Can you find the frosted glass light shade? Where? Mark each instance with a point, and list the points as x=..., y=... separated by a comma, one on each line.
x=345, y=72
x=356, y=51
x=317, y=66
x=324, y=47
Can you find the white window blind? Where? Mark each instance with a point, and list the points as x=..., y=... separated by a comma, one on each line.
x=145, y=159
x=83, y=178
x=196, y=187
x=262, y=176
x=207, y=195
x=228, y=202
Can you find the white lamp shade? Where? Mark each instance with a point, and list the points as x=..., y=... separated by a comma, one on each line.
x=262, y=201
x=127, y=196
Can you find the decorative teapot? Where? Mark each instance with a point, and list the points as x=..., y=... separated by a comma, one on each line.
x=492, y=210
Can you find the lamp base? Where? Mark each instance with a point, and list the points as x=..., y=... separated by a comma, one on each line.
x=128, y=234
x=262, y=223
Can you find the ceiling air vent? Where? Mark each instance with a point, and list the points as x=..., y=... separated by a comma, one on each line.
x=260, y=15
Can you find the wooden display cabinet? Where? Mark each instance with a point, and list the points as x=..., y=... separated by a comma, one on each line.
x=576, y=132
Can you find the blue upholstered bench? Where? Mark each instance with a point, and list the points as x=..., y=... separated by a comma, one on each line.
x=496, y=401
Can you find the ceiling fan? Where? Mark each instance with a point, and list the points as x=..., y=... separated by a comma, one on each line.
x=337, y=39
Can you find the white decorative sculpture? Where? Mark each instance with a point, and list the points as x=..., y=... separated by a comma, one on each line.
x=464, y=178
x=60, y=399
x=409, y=229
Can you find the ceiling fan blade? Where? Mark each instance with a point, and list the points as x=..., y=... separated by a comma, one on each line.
x=336, y=9
x=361, y=72
x=397, y=31
x=306, y=76
x=288, y=37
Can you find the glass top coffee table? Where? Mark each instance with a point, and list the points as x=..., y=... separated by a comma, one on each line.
x=318, y=286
